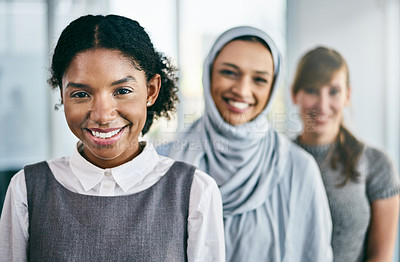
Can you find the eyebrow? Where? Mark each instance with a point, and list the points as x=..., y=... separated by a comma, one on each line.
x=121, y=81
x=124, y=80
x=237, y=68
x=76, y=85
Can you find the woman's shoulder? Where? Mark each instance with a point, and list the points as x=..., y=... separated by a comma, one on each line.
x=292, y=152
x=301, y=175
x=189, y=137
x=382, y=180
x=200, y=178
x=375, y=158
x=204, y=182
x=17, y=185
x=17, y=182
x=298, y=163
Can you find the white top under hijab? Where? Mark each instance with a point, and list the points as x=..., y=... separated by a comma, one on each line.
x=275, y=206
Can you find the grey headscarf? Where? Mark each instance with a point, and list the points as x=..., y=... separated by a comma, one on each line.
x=240, y=158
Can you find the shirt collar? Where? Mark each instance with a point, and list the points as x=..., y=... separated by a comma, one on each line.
x=126, y=175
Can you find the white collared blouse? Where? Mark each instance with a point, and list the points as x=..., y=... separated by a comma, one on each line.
x=205, y=224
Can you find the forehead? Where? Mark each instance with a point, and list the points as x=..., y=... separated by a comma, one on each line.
x=102, y=56
x=98, y=67
x=100, y=61
x=246, y=53
x=338, y=79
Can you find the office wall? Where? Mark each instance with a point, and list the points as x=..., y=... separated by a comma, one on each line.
x=23, y=90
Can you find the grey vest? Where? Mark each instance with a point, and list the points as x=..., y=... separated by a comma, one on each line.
x=147, y=226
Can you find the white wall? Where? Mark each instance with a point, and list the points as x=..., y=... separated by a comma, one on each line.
x=366, y=33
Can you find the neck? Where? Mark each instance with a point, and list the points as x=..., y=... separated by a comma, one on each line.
x=115, y=160
x=311, y=138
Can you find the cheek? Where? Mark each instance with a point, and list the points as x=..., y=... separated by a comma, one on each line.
x=75, y=114
x=306, y=104
x=135, y=113
x=216, y=93
x=307, y=110
x=73, y=117
x=339, y=105
x=262, y=100
x=220, y=84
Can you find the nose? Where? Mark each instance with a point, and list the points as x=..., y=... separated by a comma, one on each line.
x=103, y=109
x=323, y=103
x=243, y=87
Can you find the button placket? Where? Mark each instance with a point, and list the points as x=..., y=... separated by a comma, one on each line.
x=107, y=186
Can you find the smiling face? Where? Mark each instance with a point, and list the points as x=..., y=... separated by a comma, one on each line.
x=321, y=108
x=105, y=98
x=241, y=80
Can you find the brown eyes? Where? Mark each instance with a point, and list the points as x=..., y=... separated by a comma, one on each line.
x=79, y=94
x=228, y=73
x=84, y=94
x=260, y=80
x=122, y=91
x=232, y=74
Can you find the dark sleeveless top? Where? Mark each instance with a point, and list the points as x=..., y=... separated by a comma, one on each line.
x=147, y=226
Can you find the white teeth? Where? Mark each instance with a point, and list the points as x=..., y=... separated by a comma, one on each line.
x=322, y=118
x=105, y=135
x=238, y=105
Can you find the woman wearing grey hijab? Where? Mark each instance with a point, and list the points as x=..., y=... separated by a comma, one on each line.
x=275, y=206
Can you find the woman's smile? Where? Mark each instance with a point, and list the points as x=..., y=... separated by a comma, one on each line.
x=104, y=137
x=105, y=100
x=236, y=106
x=241, y=81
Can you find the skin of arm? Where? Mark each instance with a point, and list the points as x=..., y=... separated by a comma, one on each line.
x=383, y=229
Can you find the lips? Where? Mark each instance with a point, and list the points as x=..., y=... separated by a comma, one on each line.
x=317, y=117
x=105, y=136
x=236, y=106
x=320, y=119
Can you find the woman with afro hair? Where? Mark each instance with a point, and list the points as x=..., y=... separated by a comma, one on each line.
x=115, y=198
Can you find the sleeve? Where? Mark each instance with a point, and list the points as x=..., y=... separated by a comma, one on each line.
x=382, y=179
x=309, y=231
x=206, y=240
x=14, y=221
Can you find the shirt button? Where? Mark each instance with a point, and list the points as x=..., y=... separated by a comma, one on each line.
x=107, y=173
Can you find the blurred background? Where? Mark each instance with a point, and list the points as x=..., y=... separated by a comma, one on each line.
x=365, y=32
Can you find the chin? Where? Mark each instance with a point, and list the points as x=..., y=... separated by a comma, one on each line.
x=234, y=122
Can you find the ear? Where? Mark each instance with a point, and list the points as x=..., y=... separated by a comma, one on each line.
x=153, y=89
x=348, y=95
